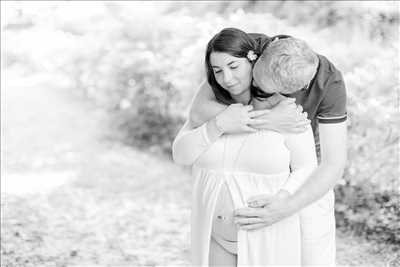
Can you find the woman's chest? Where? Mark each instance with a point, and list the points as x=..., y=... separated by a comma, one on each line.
x=260, y=152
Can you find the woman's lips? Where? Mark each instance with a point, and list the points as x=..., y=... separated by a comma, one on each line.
x=229, y=86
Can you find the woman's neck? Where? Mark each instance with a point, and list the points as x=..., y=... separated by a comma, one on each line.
x=243, y=98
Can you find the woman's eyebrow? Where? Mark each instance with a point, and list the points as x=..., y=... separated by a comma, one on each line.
x=231, y=62
x=215, y=67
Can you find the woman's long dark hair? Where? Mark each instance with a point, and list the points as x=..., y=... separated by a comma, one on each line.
x=236, y=43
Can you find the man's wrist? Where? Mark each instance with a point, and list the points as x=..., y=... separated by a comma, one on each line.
x=291, y=204
x=283, y=193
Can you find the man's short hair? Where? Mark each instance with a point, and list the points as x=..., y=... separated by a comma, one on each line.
x=288, y=64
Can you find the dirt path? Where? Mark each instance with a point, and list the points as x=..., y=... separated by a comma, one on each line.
x=69, y=198
x=46, y=132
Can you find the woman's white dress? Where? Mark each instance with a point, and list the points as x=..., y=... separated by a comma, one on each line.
x=249, y=164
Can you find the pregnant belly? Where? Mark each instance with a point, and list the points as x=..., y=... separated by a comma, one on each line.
x=223, y=226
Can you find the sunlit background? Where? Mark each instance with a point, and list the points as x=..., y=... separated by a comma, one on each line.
x=93, y=93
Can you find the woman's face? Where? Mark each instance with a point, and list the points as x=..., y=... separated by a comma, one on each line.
x=234, y=74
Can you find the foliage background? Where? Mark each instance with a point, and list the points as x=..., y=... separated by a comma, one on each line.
x=141, y=62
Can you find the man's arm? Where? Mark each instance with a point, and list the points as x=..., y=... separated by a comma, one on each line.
x=333, y=141
x=333, y=144
x=303, y=161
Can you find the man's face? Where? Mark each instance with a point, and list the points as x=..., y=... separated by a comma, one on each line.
x=262, y=82
x=265, y=84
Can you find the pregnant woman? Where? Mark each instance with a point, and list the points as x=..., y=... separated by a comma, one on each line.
x=230, y=168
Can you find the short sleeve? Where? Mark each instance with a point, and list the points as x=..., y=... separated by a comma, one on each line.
x=333, y=105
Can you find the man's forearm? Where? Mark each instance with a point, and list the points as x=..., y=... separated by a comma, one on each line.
x=319, y=183
x=333, y=144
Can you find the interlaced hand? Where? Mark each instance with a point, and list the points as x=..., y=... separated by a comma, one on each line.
x=284, y=117
x=238, y=118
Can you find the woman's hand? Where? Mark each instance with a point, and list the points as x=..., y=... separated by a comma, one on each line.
x=238, y=118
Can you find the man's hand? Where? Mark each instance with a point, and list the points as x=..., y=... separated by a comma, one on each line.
x=284, y=117
x=264, y=210
x=237, y=118
x=261, y=201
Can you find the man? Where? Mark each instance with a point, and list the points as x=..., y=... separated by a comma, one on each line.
x=324, y=99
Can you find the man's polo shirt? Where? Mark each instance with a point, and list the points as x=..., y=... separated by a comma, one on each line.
x=325, y=98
